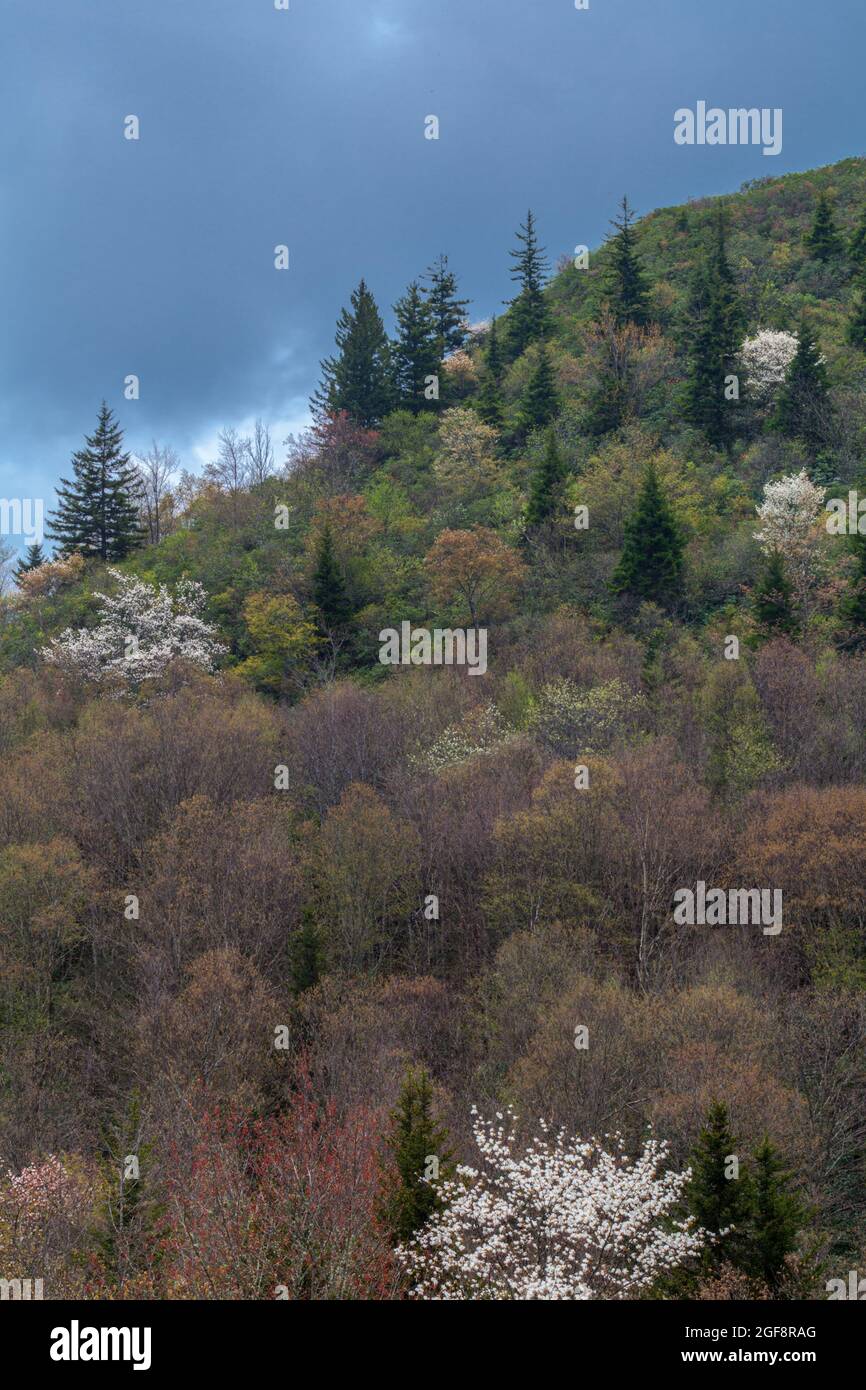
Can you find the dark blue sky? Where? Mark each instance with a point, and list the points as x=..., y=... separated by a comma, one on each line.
x=261, y=127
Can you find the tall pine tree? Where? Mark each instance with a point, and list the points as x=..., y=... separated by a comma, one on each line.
x=528, y=319
x=625, y=282
x=97, y=513
x=31, y=561
x=719, y=1193
x=446, y=307
x=547, y=485
x=715, y=332
x=357, y=379
x=777, y=1217
x=415, y=355
x=823, y=239
x=857, y=243
x=803, y=410
x=651, y=562
x=488, y=402
x=418, y=1148
x=540, y=401
x=329, y=587
x=773, y=598
x=856, y=330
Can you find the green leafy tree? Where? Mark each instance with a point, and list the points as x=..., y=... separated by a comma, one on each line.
x=329, y=587
x=777, y=1217
x=356, y=381
x=446, y=307
x=823, y=239
x=804, y=409
x=32, y=560
x=540, y=401
x=415, y=354
x=856, y=330
x=857, y=243
x=773, y=598
x=418, y=1147
x=548, y=481
x=715, y=332
x=625, y=282
x=719, y=1194
x=96, y=514
x=528, y=319
x=651, y=562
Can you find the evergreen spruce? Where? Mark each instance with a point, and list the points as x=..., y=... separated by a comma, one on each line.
x=548, y=482
x=651, y=562
x=528, y=319
x=489, y=403
x=418, y=1146
x=31, y=561
x=329, y=588
x=96, y=513
x=773, y=601
x=715, y=326
x=447, y=309
x=306, y=954
x=356, y=380
x=822, y=239
x=539, y=402
x=856, y=330
x=415, y=352
x=857, y=243
x=803, y=410
x=626, y=285
x=776, y=1219
x=719, y=1202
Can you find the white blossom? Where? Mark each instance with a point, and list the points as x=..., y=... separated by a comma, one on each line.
x=791, y=516
x=559, y=1218
x=766, y=359
x=141, y=630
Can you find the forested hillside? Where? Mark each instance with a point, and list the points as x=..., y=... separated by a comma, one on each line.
x=290, y=935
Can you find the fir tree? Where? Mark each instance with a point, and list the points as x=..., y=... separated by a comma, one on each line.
x=776, y=1219
x=856, y=330
x=718, y=1195
x=31, y=561
x=625, y=284
x=489, y=403
x=306, y=954
x=857, y=244
x=528, y=319
x=356, y=380
x=773, y=598
x=652, y=555
x=415, y=353
x=418, y=1146
x=548, y=481
x=716, y=325
x=822, y=239
x=447, y=309
x=96, y=513
x=329, y=588
x=803, y=410
x=539, y=402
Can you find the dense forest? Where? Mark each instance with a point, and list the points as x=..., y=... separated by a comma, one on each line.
x=323, y=977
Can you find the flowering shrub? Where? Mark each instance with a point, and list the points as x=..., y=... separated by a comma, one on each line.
x=766, y=359
x=482, y=731
x=791, y=517
x=45, y=1215
x=562, y=1219
x=570, y=720
x=141, y=630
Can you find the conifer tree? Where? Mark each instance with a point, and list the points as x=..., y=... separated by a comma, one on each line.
x=31, y=561
x=626, y=284
x=489, y=403
x=803, y=410
x=329, y=588
x=356, y=380
x=528, y=319
x=716, y=325
x=822, y=239
x=651, y=562
x=856, y=331
x=96, y=514
x=719, y=1195
x=447, y=309
x=418, y=1146
x=548, y=482
x=773, y=598
x=857, y=243
x=776, y=1219
x=306, y=954
x=540, y=401
x=415, y=351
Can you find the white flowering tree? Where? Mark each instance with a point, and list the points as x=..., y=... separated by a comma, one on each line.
x=793, y=523
x=766, y=359
x=561, y=1218
x=141, y=630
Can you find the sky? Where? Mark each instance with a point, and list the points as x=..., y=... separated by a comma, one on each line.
x=305, y=127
